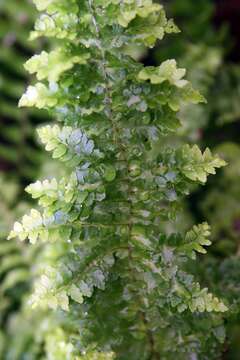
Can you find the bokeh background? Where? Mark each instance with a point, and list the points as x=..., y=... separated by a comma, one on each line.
x=209, y=47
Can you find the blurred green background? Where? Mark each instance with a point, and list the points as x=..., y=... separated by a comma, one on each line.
x=209, y=47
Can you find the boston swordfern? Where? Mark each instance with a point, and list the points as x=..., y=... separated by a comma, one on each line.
x=114, y=272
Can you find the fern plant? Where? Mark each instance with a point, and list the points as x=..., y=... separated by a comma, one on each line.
x=114, y=274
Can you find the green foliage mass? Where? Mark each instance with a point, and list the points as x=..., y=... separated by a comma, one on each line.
x=115, y=278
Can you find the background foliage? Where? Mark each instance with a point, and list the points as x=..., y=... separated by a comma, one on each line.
x=20, y=156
